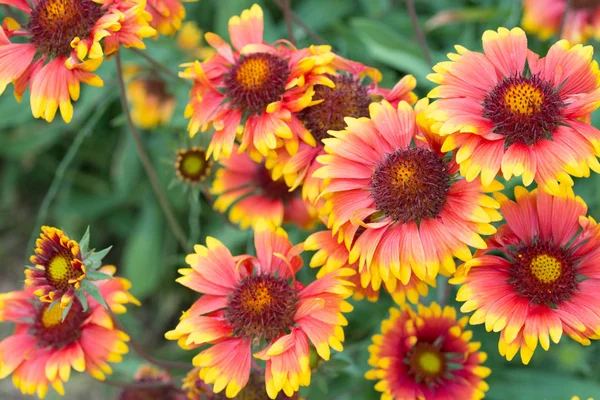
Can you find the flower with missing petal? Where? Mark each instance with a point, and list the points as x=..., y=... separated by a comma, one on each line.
x=255, y=305
x=427, y=355
x=509, y=110
x=539, y=276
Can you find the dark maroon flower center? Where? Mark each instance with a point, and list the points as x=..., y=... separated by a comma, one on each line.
x=349, y=98
x=410, y=185
x=256, y=80
x=51, y=331
x=579, y=4
x=276, y=190
x=524, y=109
x=55, y=23
x=543, y=273
x=262, y=306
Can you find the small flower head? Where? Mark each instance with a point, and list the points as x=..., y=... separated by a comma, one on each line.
x=152, y=104
x=255, y=305
x=167, y=15
x=510, y=111
x=427, y=355
x=150, y=374
x=192, y=166
x=247, y=190
x=536, y=281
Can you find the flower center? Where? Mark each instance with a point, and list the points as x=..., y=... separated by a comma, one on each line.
x=55, y=23
x=276, y=190
x=51, y=331
x=523, y=109
x=410, y=185
x=349, y=98
x=426, y=362
x=543, y=273
x=256, y=80
x=262, y=306
x=192, y=165
x=60, y=270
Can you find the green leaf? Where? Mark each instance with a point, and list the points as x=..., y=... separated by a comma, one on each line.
x=94, y=260
x=66, y=310
x=97, y=276
x=93, y=291
x=85, y=241
x=80, y=294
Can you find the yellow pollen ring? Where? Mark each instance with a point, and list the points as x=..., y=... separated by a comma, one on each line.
x=523, y=98
x=52, y=316
x=58, y=11
x=256, y=301
x=545, y=268
x=60, y=269
x=253, y=73
x=430, y=362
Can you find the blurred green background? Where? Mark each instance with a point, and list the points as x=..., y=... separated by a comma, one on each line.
x=88, y=173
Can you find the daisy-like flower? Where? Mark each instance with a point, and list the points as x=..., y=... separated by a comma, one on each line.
x=545, y=17
x=539, y=276
x=404, y=194
x=151, y=103
x=65, y=41
x=192, y=166
x=246, y=189
x=255, y=305
x=45, y=347
x=350, y=97
x=331, y=255
x=167, y=15
x=427, y=355
x=151, y=374
x=254, y=90
x=60, y=267
x=510, y=110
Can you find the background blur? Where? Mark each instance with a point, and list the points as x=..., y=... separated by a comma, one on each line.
x=88, y=173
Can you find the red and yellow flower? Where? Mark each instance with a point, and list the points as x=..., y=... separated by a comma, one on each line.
x=164, y=389
x=539, y=276
x=350, y=97
x=44, y=347
x=510, y=110
x=254, y=90
x=255, y=305
x=390, y=180
x=151, y=103
x=545, y=18
x=65, y=42
x=332, y=255
x=167, y=15
x=427, y=355
x=246, y=189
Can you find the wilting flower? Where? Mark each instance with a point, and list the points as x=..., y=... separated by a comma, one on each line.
x=427, y=355
x=192, y=166
x=257, y=87
x=331, y=255
x=60, y=267
x=151, y=103
x=539, y=276
x=65, y=41
x=167, y=15
x=404, y=195
x=190, y=40
x=545, y=18
x=510, y=110
x=150, y=374
x=350, y=97
x=251, y=303
x=44, y=347
x=246, y=189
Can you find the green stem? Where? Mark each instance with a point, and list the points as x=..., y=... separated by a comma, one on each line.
x=410, y=5
x=195, y=212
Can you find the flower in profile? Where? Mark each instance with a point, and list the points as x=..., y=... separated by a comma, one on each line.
x=152, y=104
x=247, y=190
x=192, y=166
x=150, y=374
x=60, y=267
x=427, y=355
x=510, y=110
x=254, y=90
x=255, y=305
x=545, y=18
x=61, y=44
x=331, y=255
x=404, y=195
x=350, y=97
x=538, y=277
x=167, y=15
x=46, y=345
x=190, y=39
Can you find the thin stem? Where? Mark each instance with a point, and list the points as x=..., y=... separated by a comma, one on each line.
x=294, y=17
x=165, y=70
x=444, y=291
x=288, y=20
x=410, y=5
x=195, y=212
x=147, y=164
x=62, y=168
x=561, y=30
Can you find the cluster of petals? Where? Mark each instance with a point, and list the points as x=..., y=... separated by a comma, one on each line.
x=167, y=15
x=53, y=64
x=316, y=314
